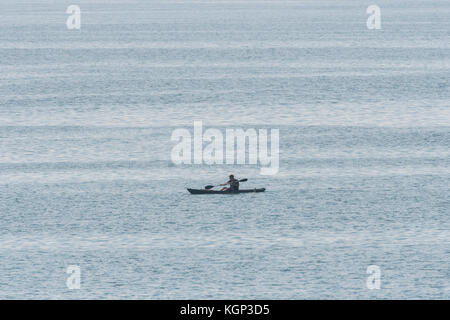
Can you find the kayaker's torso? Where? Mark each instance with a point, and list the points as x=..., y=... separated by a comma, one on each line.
x=234, y=184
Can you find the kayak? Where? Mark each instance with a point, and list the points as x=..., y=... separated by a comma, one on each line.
x=203, y=191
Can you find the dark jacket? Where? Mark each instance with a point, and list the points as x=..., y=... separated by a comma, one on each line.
x=234, y=185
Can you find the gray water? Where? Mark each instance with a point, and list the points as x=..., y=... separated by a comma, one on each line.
x=86, y=176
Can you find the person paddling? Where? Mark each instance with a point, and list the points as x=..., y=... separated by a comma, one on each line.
x=234, y=184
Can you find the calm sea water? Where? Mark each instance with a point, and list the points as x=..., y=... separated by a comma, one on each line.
x=85, y=171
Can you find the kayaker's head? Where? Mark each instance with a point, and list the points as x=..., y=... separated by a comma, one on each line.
x=231, y=177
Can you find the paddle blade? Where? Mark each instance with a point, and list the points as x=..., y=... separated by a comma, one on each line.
x=209, y=187
x=243, y=180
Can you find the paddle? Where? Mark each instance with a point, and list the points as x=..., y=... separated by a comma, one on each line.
x=210, y=186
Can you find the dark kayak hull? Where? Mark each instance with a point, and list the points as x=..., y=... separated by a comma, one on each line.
x=203, y=191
